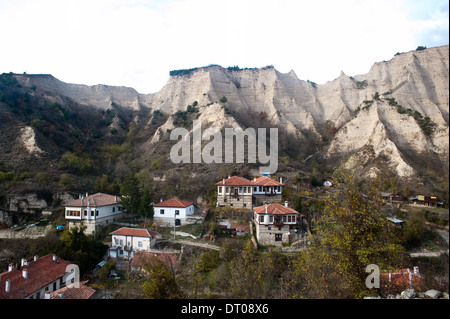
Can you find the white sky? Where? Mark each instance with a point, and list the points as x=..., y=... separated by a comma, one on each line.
x=137, y=42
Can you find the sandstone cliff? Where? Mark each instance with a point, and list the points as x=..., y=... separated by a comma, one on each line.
x=395, y=116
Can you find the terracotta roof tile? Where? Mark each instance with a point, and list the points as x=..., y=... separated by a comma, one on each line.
x=143, y=258
x=275, y=209
x=95, y=200
x=82, y=292
x=137, y=232
x=235, y=181
x=173, y=203
x=41, y=273
x=265, y=181
x=240, y=181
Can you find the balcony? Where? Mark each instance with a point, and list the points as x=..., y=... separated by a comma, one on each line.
x=278, y=222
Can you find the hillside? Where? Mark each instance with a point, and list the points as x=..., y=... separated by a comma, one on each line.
x=392, y=121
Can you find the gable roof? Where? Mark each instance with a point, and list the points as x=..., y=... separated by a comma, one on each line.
x=265, y=181
x=234, y=181
x=275, y=209
x=142, y=258
x=136, y=232
x=173, y=203
x=41, y=273
x=95, y=200
x=82, y=292
x=240, y=181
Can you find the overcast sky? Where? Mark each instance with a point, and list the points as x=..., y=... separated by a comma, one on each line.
x=137, y=42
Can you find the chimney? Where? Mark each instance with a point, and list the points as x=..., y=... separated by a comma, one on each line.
x=10, y=267
x=25, y=273
x=48, y=295
x=416, y=270
x=23, y=262
x=281, y=180
x=229, y=176
x=223, y=181
x=285, y=203
x=79, y=196
x=254, y=179
x=36, y=257
x=115, y=198
x=8, y=285
x=265, y=206
x=87, y=194
x=54, y=257
x=160, y=200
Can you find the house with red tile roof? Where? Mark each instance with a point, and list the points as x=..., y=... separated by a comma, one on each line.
x=239, y=192
x=34, y=278
x=72, y=292
x=125, y=242
x=396, y=281
x=173, y=211
x=277, y=224
x=93, y=211
x=171, y=258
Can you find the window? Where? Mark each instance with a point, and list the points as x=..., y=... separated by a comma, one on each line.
x=85, y=213
x=261, y=219
x=139, y=244
x=177, y=212
x=92, y=213
x=220, y=189
x=161, y=211
x=271, y=219
x=240, y=189
x=96, y=213
x=255, y=189
x=278, y=237
x=113, y=209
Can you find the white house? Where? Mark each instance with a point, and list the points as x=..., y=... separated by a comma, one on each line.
x=34, y=278
x=93, y=210
x=170, y=210
x=126, y=242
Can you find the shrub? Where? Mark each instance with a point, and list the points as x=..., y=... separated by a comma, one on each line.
x=223, y=99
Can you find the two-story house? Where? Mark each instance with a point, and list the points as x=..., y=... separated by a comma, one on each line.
x=93, y=210
x=173, y=211
x=125, y=242
x=239, y=192
x=34, y=278
x=276, y=224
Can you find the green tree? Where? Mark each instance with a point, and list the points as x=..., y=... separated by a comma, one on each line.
x=298, y=205
x=131, y=194
x=161, y=283
x=80, y=248
x=145, y=206
x=78, y=163
x=351, y=235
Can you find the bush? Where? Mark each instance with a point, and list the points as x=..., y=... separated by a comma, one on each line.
x=82, y=163
x=223, y=99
